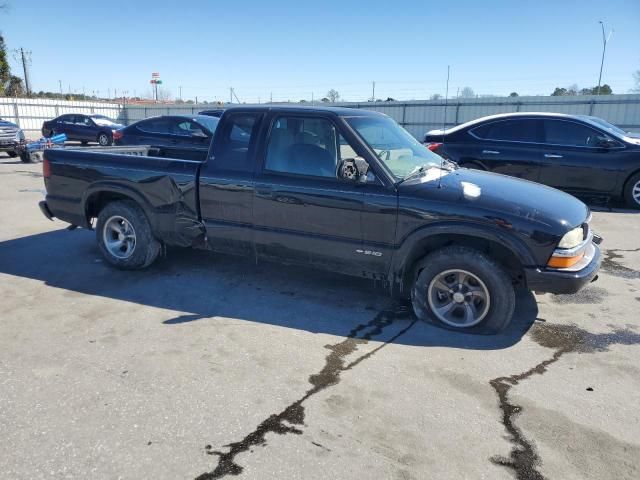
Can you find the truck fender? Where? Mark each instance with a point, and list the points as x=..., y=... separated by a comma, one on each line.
x=412, y=247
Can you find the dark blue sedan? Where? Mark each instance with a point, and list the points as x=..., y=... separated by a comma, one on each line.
x=180, y=131
x=84, y=128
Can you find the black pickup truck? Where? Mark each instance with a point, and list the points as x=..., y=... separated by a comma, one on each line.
x=340, y=189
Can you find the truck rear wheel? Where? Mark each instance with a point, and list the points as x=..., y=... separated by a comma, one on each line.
x=463, y=289
x=124, y=236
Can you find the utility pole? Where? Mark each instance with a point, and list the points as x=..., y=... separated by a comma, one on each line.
x=312, y=102
x=605, y=40
x=60, y=83
x=271, y=97
x=25, y=58
x=230, y=94
x=180, y=87
x=373, y=92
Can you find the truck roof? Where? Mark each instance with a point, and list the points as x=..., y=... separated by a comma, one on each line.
x=340, y=111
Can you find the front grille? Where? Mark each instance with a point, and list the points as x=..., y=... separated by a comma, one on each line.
x=8, y=133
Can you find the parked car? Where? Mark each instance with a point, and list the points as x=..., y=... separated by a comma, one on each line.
x=217, y=112
x=341, y=189
x=580, y=154
x=185, y=136
x=84, y=128
x=11, y=138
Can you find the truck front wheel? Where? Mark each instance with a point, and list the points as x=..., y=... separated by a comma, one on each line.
x=463, y=289
x=124, y=236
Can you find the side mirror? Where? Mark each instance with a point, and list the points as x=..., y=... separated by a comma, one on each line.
x=353, y=170
x=198, y=134
x=606, y=143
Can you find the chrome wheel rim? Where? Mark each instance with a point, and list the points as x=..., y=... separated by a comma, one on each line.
x=119, y=237
x=635, y=192
x=458, y=298
x=103, y=140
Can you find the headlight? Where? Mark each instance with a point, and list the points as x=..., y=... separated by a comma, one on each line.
x=572, y=238
x=19, y=136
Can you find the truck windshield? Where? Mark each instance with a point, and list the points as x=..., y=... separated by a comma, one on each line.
x=400, y=152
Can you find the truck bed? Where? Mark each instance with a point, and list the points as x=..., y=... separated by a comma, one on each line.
x=80, y=180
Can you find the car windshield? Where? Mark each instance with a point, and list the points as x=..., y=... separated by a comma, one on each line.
x=102, y=120
x=399, y=151
x=210, y=122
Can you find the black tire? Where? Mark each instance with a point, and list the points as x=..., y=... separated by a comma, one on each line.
x=146, y=248
x=473, y=166
x=31, y=157
x=103, y=139
x=12, y=154
x=495, y=281
x=632, y=187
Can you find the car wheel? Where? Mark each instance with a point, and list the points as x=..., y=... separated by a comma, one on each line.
x=632, y=191
x=124, y=236
x=104, y=140
x=463, y=289
x=31, y=157
x=12, y=154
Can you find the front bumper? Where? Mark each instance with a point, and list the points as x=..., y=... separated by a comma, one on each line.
x=561, y=281
x=11, y=147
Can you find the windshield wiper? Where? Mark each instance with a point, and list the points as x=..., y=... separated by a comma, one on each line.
x=415, y=173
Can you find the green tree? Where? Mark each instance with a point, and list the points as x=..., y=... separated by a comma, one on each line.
x=513, y=94
x=5, y=71
x=14, y=87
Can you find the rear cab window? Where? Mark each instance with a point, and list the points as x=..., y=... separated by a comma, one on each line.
x=235, y=141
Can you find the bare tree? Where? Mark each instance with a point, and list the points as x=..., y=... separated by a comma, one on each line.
x=636, y=77
x=436, y=96
x=333, y=95
x=467, y=92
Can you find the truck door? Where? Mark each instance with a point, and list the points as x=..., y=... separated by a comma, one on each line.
x=227, y=186
x=302, y=212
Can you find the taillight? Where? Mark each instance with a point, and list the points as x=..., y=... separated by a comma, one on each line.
x=46, y=168
x=433, y=146
x=117, y=135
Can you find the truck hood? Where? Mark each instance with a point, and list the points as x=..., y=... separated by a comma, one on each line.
x=4, y=123
x=500, y=194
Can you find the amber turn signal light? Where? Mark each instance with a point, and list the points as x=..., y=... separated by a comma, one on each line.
x=564, y=262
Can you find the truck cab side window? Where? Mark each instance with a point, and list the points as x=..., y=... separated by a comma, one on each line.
x=304, y=146
x=232, y=146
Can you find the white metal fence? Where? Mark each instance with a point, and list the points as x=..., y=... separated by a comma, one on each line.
x=416, y=116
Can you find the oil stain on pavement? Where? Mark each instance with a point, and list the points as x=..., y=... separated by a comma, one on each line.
x=292, y=417
x=523, y=460
x=612, y=266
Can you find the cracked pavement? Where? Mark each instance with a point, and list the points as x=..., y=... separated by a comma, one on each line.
x=213, y=367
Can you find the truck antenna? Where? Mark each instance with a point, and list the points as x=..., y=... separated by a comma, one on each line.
x=444, y=125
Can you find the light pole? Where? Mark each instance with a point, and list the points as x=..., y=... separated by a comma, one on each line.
x=605, y=40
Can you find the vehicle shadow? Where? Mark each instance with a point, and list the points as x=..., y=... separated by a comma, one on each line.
x=607, y=205
x=206, y=287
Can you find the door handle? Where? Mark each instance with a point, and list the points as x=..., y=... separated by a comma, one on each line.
x=552, y=155
x=490, y=152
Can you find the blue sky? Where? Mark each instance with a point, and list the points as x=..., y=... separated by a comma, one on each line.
x=291, y=49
